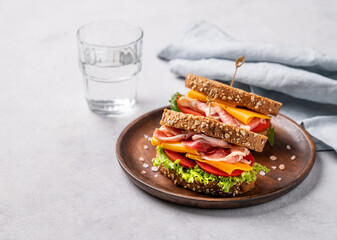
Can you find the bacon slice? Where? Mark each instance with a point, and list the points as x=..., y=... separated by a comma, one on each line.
x=214, y=142
x=236, y=155
x=199, y=145
x=163, y=137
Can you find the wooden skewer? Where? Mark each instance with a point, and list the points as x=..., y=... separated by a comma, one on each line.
x=213, y=94
x=238, y=63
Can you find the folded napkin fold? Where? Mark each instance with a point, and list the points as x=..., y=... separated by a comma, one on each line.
x=304, y=80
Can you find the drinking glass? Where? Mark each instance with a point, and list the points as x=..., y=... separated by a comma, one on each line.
x=110, y=55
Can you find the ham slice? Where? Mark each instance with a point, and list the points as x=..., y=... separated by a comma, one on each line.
x=215, y=142
x=217, y=153
x=177, y=138
x=255, y=122
x=170, y=131
x=236, y=154
x=224, y=116
x=217, y=112
x=196, y=105
x=199, y=145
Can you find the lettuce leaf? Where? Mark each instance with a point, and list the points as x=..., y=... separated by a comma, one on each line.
x=271, y=137
x=197, y=174
x=173, y=102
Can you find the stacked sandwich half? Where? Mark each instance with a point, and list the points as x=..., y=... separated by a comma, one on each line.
x=207, y=149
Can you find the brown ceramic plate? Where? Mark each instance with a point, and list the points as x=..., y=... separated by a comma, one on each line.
x=130, y=147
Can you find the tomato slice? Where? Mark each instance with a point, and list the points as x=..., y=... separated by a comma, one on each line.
x=261, y=127
x=212, y=170
x=188, y=110
x=184, y=161
x=236, y=172
x=218, y=172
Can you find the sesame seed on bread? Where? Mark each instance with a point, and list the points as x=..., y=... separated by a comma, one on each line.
x=211, y=188
x=233, y=95
x=214, y=128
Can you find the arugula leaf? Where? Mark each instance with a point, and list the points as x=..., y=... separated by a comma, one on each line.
x=271, y=137
x=173, y=102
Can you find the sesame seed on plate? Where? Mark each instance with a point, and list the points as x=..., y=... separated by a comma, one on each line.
x=149, y=138
x=143, y=172
x=141, y=159
x=273, y=158
x=288, y=147
x=282, y=167
x=154, y=169
x=262, y=173
x=156, y=175
x=293, y=157
x=145, y=165
x=146, y=147
x=273, y=167
x=279, y=179
x=146, y=136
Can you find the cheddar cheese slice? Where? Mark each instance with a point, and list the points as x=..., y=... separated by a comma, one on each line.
x=174, y=146
x=223, y=166
x=243, y=115
x=202, y=98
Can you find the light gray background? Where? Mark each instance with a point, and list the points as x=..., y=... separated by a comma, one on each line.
x=59, y=177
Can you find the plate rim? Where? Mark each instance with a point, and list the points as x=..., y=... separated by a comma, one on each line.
x=210, y=199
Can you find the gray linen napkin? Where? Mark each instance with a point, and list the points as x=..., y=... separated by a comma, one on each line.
x=302, y=79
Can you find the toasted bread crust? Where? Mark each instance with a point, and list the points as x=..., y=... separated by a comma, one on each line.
x=211, y=188
x=233, y=95
x=214, y=128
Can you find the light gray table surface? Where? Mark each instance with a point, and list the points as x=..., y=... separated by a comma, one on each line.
x=59, y=176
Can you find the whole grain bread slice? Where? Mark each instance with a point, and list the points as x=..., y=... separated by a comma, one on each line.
x=211, y=188
x=214, y=128
x=233, y=95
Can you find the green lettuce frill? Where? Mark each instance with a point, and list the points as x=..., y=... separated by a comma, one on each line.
x=197, y=174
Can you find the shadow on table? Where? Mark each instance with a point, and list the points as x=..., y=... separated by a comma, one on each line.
x=300, y=192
